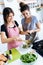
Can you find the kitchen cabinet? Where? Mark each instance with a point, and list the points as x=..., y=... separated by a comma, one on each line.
x=1, y=6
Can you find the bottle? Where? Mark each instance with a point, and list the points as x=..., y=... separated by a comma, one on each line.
x=10, y=54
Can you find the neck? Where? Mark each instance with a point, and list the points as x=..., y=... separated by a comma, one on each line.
x=10, y=23
x=28, y=20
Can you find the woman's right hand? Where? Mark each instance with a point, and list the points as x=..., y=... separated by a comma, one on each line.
x=28, y=31
x=17, y=38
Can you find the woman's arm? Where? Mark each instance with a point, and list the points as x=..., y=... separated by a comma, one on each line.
x=32, y=31
x=38, y=25
x=23, y=32
x=38, y=28
x=4, y=38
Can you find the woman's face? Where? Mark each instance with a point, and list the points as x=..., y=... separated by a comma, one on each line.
x=10, y=18
x=26, y=13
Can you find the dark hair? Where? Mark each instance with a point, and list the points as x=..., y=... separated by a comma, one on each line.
x=6, y=13
x=23, y=7
x=21, y=4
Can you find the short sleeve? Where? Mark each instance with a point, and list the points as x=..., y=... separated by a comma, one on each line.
x=16, y=23
x=35, y=20
x=2, y=28
x=22, y=21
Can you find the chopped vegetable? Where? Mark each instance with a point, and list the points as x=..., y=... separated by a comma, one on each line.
x=26, y=46
x=28, y=58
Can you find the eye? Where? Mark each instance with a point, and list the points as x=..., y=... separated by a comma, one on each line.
x=11, y=16
x=23, y=14
x=26, y=13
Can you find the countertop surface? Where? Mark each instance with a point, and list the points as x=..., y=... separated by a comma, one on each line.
x=39, y=60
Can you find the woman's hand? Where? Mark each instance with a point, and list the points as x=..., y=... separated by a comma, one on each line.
x=3, y=58
x=26, y=33
x=32, y=31
x=17, y=38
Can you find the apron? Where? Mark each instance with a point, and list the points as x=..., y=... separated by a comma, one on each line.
x=14, y=31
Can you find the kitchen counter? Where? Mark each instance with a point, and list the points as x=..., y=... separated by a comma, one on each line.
x=39, y=60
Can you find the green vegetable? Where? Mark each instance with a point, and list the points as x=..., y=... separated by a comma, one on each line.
x=26, y=46
x=28, y=58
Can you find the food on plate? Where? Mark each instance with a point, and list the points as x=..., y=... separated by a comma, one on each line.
x=28, y=57
x=25, y=46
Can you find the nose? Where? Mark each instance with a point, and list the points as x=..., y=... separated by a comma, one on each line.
x=11, y=17
x=25, y=15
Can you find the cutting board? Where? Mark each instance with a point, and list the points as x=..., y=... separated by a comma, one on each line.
x=15, y=55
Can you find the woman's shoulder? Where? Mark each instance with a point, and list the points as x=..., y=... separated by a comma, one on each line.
x=3, y=25
x=34, y=17
x=3, y=28
x=22, y=20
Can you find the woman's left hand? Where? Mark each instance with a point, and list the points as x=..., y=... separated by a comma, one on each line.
x=32, y=31
x=19, y=39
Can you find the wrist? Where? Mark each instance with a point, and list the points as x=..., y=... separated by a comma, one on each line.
x=14, y=38
x=35, y=30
